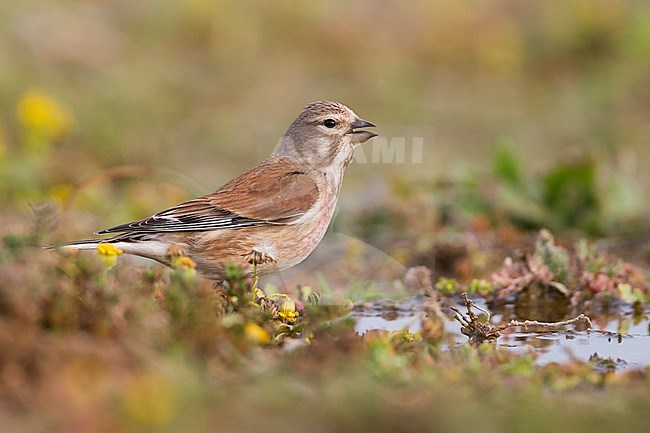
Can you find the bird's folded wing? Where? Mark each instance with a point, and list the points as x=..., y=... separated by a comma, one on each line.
x=275, y=192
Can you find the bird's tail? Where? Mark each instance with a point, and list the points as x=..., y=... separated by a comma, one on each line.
x=91, y=244
x=85, y=244
x=140, y=244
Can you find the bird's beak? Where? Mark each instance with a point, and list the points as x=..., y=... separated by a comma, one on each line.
x=361, y=136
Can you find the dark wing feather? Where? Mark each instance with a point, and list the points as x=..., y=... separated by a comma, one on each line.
x=275, y=192
x=195, y=215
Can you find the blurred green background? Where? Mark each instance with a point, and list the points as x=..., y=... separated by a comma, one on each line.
x=183, y=95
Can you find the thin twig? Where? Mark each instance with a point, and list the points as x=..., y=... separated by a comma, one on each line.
x=528, y=323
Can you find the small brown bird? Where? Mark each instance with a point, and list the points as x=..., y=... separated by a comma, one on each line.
x=272, y=216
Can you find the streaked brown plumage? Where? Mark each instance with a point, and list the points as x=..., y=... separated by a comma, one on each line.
x=281, y=208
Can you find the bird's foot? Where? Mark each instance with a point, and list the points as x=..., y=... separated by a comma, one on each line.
x=257, y=257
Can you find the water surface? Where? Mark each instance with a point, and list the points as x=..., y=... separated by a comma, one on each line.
x=624, y=340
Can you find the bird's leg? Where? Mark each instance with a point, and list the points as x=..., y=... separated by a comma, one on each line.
x=255, y=277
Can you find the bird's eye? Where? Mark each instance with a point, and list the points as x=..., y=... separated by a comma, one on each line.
x=329, y=123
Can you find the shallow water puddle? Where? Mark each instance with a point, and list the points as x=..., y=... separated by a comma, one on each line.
x=629, y=349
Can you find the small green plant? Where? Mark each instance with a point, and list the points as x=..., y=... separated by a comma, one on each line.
x=579, y=274
x=446, y=286
x=480, y=287
x=569, y=195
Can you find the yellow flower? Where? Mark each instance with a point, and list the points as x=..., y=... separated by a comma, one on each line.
x=288, y=316
x=256, y=333
x=43, y=118
x=184, y=266
x=174, y=251
x=287, y=312
x=183, y=262
x=108, y=253
x=106, y=249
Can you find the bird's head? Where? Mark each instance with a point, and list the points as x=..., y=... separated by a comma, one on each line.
x=325, y=133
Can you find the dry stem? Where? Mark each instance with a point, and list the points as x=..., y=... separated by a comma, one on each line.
x=479, y=332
